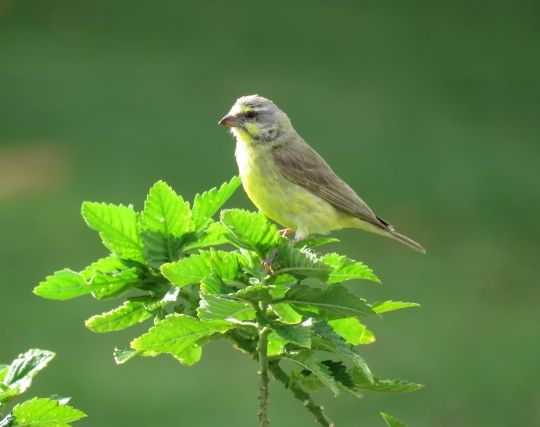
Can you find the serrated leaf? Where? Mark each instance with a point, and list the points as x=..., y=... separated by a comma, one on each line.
x=123, y=355
x=110, y=264
x=212, y=307
x=165, y=212
x=190, y=356
x=286, y=313
x=197, y=267
x=276, y=344
x=299, y=262
x=253, y=293
x=208, y=203
x=308, y=360
x=45, y=413
x=250, y=230
x=176, y=334
x=212, y=284
x=213, y=235
x=382, y=385
x=324, y=338
x=128, y=314
x=110, y=285
x=117, y=227
x=352, y=331
x=391, y=421
x=343, y=269
x=295, y=334
x=25, y=367
x=159, y=249
x=386, y=306
x=334, y=302
x=63, y=285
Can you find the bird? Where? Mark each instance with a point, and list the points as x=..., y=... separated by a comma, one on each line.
x=288, y=181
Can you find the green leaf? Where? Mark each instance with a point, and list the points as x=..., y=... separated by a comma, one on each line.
x=117, y=226
x=128, y=314
x=208, y=203
x=213, y=284
x=110, y=285
x=286, y=313
x=8, y=421
x=276, y=344
x=253, y=293
x=25, y=367
x=295, y=334
x=324, y=338
x=213, y=235
x=391, y=421
x=165, y=212
x=176, y=334
x=308, y=360
x=63, y=285
x=190, y=355
x=123, y=355
x=197, y=267
x=213, y=307
x=352, y=331
x=299, y=262
x=344, y=269
x=165, y=219
x=45, y=413
x=250, y=230
x=334, y=302
x=110, y=264
x=380, y=385
x=385, y=306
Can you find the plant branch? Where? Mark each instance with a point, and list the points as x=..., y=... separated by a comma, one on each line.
x=246, y=345
x=262, y=351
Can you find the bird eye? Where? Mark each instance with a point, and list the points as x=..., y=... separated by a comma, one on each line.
x=251, y=114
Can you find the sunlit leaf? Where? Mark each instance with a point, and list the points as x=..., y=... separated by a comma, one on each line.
x=128, y=314
x=343, y=269
x=117, y=226
x=209, y=202
x=212, y=307
x=391, y=421
x=386, y=306
x=352, y=331
x=45, y=413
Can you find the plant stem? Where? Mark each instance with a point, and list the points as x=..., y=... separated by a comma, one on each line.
x=262, y=350
x=280, y=375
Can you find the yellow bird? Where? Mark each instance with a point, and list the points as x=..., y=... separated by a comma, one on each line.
x=289, y=181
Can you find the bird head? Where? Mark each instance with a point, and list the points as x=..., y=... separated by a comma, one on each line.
x=257, y=117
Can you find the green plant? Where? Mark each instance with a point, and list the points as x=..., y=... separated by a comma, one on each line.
x=164, y=265
x=15, y=379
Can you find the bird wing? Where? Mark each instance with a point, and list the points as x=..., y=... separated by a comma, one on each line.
x=302, y=165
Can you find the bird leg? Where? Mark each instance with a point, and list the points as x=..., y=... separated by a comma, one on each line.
x=268, y=261
x=285, y=232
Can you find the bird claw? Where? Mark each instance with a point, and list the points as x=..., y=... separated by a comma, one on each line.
x=267, y=263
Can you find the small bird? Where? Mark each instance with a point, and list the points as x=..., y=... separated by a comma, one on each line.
x=289, y=181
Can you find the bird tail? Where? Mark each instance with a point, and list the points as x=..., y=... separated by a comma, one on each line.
x=406, y=240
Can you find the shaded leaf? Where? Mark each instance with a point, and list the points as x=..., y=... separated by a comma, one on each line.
x=343, y=269
x=386, y=306
x=299, y=262
x=117, y=226
x=381, y=385
x=176, y=334
x=215, y=307
x=276, y=344
x=324, y=338
x=128, y=314
x=123, y=355
x=352, y=331
x=391, y=421
x=250, y=230
x=45, y=413
x=295, y=334
x=334, y=302
x=208, y=203
x=315, y=241
x=25, y=367
x=308, y=360
x=197, y=267
x=213, y=235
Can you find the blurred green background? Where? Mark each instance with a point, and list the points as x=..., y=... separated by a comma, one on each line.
x=431, y=110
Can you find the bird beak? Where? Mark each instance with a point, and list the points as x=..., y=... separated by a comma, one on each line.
x=229, y=120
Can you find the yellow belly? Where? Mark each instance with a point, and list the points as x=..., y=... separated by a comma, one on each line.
x=281, y=200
